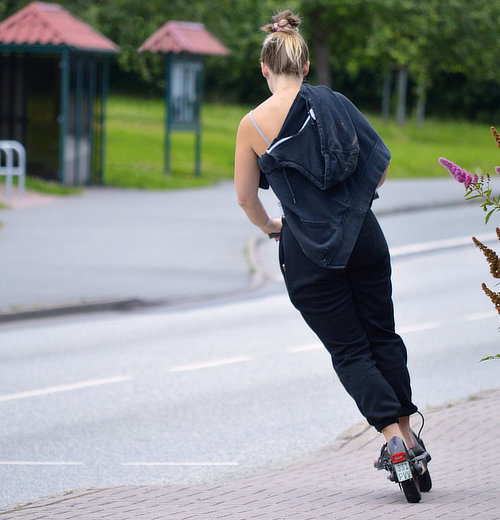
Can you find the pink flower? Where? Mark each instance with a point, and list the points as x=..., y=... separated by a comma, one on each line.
x=497, y=169
x=461, y=175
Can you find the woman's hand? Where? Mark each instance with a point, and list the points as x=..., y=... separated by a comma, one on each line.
x=273, y=225
x=384, y=175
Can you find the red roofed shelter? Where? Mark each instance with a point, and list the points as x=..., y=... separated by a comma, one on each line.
x=53, y=88
x=184, y=44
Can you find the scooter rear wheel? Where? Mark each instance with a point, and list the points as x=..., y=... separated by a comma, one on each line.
x=425, y=482
x=411, y=490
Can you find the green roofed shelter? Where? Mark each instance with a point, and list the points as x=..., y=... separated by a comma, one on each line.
x=54, y=72
x=184, y=44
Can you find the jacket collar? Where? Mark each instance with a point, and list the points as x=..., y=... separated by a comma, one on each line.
x=316, y=120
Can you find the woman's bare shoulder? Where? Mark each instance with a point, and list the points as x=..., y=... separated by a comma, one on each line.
x=265, y=106
x=259, y=110
x=244, y=124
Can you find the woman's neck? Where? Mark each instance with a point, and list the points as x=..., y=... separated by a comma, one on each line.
x=281, y=85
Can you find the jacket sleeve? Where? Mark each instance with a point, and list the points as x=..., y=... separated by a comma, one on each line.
x=375, y=152
x=366, y=133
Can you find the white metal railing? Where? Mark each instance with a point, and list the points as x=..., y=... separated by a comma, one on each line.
x=11, y=168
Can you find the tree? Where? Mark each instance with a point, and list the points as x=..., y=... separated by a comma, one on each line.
x=429, y=36
x=237, y=76
x=396, y=39
x=337, y=33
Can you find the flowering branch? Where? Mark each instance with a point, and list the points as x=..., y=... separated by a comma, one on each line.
x=478, y=187
x=491, y=256
x=494, y=261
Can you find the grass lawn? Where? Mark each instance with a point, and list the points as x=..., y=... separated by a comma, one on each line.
x=135, y=145
x=52, y=187
x=135, y=140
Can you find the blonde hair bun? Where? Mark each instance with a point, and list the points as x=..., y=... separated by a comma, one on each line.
x=284, y=21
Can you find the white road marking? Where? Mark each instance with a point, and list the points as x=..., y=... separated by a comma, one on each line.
x=37, y=463
x=305, y=348
x=434, y=245
x=65, y=388
x=180, y=463
x=423, y=247
x=427, y=325
x=481, y=315
x=209, y=364
x=419, y=326
x=402, y=330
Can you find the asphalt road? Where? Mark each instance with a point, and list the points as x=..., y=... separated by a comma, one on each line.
x=110, y=244
x=202, y=392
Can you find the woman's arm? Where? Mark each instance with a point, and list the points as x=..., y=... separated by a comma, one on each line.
x=246, y=180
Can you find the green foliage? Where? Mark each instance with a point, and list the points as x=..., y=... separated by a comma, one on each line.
x=481, y=190
x=415, y=34
x=428, y=36
x=346, y=24
x=236, y=78
x=406, y=32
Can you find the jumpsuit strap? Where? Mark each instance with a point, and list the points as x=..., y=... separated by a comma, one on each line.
x=258, y=129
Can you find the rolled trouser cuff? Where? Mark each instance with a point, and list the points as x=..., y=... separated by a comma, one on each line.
x=383, y=423
x=408, y=410
x=379, y=425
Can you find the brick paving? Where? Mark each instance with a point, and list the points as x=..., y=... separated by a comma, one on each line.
x=337, y=483
x=30, y=198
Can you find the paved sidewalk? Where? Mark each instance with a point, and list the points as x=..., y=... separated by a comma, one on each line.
x=338, y=483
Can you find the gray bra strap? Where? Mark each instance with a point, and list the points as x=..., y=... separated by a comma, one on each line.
x=258, y=129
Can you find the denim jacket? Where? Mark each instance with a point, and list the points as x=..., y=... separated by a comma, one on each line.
x=324, y=167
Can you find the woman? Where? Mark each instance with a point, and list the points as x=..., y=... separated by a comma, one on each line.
x=324, y=161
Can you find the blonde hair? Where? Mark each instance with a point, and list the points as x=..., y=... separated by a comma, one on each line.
x=284, y=50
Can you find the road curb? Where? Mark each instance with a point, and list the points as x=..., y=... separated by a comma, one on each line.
x=123, y=304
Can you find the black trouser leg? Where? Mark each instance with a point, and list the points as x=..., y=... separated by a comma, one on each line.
x=372, y=295
x=341, y=307
x=373, y=303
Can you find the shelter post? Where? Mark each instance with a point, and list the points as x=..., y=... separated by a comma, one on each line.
x=199, y=96
x=105, y=81
x=91, y=118
x=168, y=108
x=78, y=117
x=63, y=118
